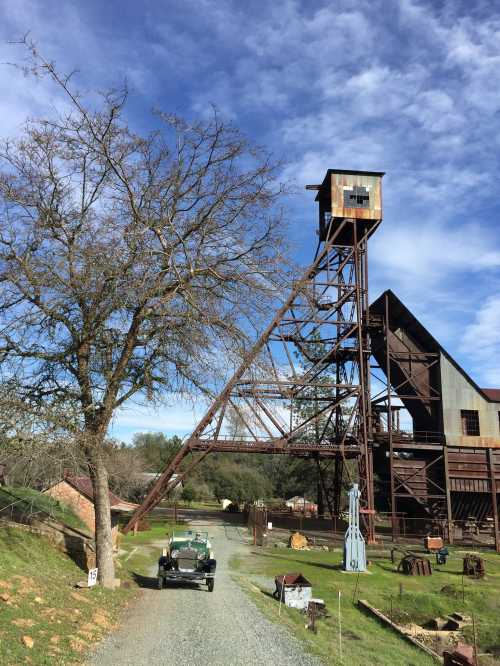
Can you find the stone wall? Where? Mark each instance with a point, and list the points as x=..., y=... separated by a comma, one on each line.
x=76, y=544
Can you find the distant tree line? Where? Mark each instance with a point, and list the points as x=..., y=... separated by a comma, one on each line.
x=239, y=477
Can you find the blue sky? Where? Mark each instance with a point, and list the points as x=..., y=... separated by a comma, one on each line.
x=410, y=88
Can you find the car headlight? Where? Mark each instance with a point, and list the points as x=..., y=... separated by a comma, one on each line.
x=201, y=556
x=174, y=554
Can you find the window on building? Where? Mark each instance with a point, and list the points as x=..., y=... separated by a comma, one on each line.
x=470, y=422
x=358, y=197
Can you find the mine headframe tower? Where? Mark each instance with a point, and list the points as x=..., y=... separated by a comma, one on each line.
x=304, y=388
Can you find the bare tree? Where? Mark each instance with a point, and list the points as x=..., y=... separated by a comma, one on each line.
x=125, y=466
x=130, y=263
x=35, y=447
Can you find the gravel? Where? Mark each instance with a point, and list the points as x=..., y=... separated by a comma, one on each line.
x=189, y=626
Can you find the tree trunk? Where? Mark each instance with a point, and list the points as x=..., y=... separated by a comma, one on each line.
x=102, y=507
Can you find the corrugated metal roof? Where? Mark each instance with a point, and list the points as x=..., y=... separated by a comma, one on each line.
x=84, y=486
x=492, y=393
x=404, y=316
x=293, y=579
x=124, y=507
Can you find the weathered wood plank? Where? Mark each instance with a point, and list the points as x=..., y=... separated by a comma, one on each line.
x=365, y=606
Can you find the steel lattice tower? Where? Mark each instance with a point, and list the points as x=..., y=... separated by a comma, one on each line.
x=303, y=389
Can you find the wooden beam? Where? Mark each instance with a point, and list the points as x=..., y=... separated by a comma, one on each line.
x=493, y=484
x=389, y=419
x=448, y=496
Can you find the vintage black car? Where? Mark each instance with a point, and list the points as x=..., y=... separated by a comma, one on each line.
x=188, y=557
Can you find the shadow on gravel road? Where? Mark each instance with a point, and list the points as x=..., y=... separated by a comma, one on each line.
x=145, y=581
x=150, y=583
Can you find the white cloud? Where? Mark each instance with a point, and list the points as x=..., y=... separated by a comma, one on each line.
x=63, y=34
x=429, y=252
x=436, y=112
x=481, y=342
x=439, y=271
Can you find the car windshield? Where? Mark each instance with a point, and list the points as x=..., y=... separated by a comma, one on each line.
x=190, y=535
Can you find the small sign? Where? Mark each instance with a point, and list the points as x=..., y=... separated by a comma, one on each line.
x=92, y=579
x=269, y=526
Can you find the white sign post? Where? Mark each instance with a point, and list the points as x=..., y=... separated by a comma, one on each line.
x=92, y=579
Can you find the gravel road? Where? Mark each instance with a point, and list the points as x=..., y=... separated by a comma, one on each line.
x=187, y=626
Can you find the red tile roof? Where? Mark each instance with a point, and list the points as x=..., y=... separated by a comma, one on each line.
x=84, y=486
x=492, y=394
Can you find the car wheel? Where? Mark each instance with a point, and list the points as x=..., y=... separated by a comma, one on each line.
x=211, y=583
x=160, y=582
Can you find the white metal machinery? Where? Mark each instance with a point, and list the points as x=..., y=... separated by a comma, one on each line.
x=354, y=544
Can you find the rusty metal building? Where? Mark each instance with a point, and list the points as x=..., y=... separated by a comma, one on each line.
x=447, y=466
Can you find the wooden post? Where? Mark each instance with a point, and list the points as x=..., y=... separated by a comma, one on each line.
x=389, y=418
x=340, y=630
x=355, y=589
x=448, y=495
x=493, y=485
x=474, y=636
